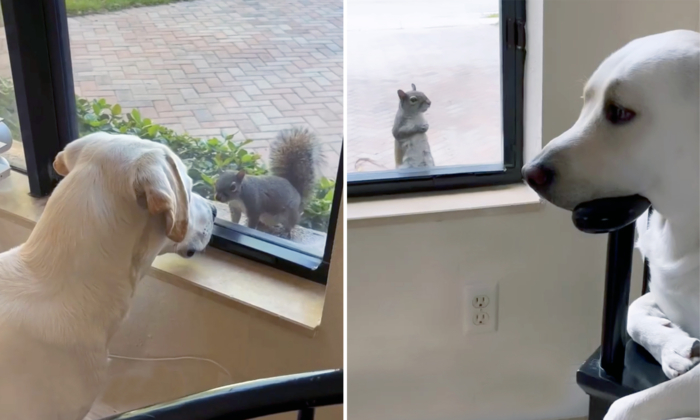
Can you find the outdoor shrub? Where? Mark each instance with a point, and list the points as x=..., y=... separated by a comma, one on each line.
x=205, y=159
x=319, y=208
x=8, y=108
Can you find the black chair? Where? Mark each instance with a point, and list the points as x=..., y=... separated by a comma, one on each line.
x=619, y=367
x=302, y=392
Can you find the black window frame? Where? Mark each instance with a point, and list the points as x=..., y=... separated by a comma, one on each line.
x=40, y=60
x=513, y=47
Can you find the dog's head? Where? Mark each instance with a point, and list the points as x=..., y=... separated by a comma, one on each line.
x=150, y=177
x=637, y=133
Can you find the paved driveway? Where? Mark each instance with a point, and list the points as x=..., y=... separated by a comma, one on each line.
x=450, y=49
x=216, y=67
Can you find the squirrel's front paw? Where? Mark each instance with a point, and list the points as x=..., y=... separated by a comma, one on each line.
x=679, y=355
x=423, y=127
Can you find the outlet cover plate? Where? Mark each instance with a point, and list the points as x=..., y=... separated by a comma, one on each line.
x=474, y=296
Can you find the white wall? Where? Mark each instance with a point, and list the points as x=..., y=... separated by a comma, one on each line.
x=407, y=356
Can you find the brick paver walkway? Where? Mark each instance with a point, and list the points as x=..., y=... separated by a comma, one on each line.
x=217, y=67
x=450, y=49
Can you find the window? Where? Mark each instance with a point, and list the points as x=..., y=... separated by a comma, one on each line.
x=466, y=61
x=215, y=81
x=8, y=108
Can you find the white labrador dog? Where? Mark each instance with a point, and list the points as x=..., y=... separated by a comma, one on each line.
x=638, y=133
x=64, y=292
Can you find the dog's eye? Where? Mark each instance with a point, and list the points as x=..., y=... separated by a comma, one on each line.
x=413, y=99
x=617, y=114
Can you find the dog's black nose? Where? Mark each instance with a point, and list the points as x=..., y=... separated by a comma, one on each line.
x=539, y=177
x=213, y=211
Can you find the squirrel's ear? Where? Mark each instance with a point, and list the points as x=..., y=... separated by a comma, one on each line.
x=413, y=86
x=402, y=94
x=240, y=175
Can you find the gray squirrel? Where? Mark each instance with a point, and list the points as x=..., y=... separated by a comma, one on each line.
x=411, y=147
x=279, y=198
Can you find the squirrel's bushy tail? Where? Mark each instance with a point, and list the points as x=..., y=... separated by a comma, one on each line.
x=296, y=155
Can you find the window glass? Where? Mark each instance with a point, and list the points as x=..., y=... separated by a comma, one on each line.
x=8, y=105
x=219, y=82
x=451, y=52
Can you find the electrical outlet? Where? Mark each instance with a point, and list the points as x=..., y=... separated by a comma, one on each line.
x=480, y=318
x=480, y=301
x=480, y=308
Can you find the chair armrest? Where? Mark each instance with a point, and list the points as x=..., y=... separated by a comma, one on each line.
x=617, y=291
x=249, y=400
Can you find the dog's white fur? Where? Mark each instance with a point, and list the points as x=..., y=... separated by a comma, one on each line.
x=656, y=155
x=64, y=292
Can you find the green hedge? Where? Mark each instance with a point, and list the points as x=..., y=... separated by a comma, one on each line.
x=8, y=108
x=205, y=158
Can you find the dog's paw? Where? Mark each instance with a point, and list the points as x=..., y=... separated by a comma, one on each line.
x=679, y=355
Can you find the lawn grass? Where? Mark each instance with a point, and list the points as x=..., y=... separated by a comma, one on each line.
x=87, y=7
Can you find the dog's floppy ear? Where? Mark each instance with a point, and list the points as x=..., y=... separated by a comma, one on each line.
x=160, y=180
x=66, y=159
x=60, y=165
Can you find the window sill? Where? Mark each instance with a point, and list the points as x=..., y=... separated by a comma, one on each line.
x=442, y=205
x=255, y=288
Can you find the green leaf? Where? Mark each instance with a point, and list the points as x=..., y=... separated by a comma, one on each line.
x=213, y=142
x=208, y=180
x=116, y=109
x=194, y=174
x=136, y=114
x=247, y=159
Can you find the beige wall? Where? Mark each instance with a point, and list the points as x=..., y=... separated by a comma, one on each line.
x=407, y=356
x=167, y=320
